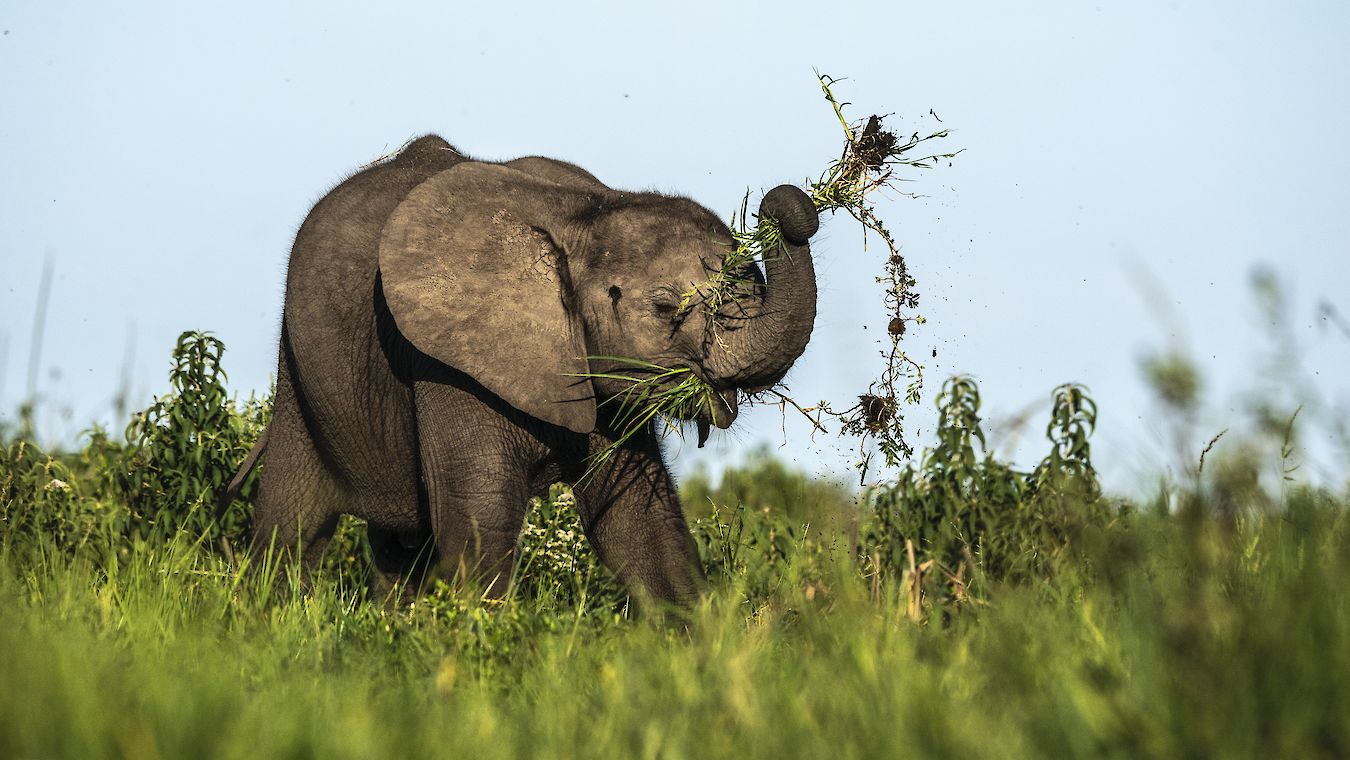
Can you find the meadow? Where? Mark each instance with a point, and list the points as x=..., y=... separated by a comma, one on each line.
x=964, y=609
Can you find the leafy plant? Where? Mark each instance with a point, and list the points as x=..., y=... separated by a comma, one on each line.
x=556, y=567
x=974, y=519
x=179, y=454
x=185, y=448
x=42, y=495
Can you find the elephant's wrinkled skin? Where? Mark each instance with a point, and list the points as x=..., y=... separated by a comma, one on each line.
x=437, y=311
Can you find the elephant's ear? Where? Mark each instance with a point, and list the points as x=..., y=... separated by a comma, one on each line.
x=473, y=277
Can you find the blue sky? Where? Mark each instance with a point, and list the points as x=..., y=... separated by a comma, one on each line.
x=1126, y=166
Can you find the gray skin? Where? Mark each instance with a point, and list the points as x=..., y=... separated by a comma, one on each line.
x=438, y=310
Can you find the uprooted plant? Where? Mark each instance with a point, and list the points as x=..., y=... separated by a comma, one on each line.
x=868, y=164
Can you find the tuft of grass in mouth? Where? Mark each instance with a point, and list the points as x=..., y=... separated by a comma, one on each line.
x=654, y=392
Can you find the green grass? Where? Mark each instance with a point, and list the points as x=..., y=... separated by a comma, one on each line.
x=965, y=609
x=1189, y=638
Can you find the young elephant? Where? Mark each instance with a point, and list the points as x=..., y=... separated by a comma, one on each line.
x=444, y=319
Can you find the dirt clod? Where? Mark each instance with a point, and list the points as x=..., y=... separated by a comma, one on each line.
x=875, y=144
x=876, y=410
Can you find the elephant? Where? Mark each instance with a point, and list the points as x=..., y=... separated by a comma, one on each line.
x=448, y=346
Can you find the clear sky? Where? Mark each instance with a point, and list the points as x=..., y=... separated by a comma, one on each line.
x=1126, y=167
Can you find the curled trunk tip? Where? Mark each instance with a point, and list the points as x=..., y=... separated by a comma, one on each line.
x=793, y=210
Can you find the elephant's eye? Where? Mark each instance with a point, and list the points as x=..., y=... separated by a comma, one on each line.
x=666, y=303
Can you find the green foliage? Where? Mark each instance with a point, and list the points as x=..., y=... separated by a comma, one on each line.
x=1032, y=620
x=766, y=483
x=348, y=562
x=1188, y=638
x=178, y=456
x=556, y=568
x=185, y=448
x=973, y=518
x=761, y=555
x=42, y=495
x=766, y=527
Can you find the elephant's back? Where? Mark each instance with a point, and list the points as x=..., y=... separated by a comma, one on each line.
x=336, y=249
x=355, y=403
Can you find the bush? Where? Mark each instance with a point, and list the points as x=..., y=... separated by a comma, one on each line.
x=184, y=449
x=42, y=495
x=766, y=483
x=556, y=568
x=958, y=519
x=163, y=481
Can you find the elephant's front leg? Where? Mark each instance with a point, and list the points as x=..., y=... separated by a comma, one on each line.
x=632, y=515
x=474, y=466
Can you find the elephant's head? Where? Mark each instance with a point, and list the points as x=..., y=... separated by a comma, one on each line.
x=521, y=275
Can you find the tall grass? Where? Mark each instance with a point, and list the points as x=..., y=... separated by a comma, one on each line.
x=966, y=609
x=1190, y=641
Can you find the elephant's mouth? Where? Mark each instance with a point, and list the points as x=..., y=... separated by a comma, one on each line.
x=719, y=409
x=680, y=393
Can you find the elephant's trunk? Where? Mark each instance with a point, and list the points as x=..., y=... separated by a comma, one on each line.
x=758, y=350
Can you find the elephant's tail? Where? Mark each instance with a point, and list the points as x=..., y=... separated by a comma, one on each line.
x=250, y=461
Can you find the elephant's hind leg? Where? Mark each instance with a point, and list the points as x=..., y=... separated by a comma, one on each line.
x=301, y=497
